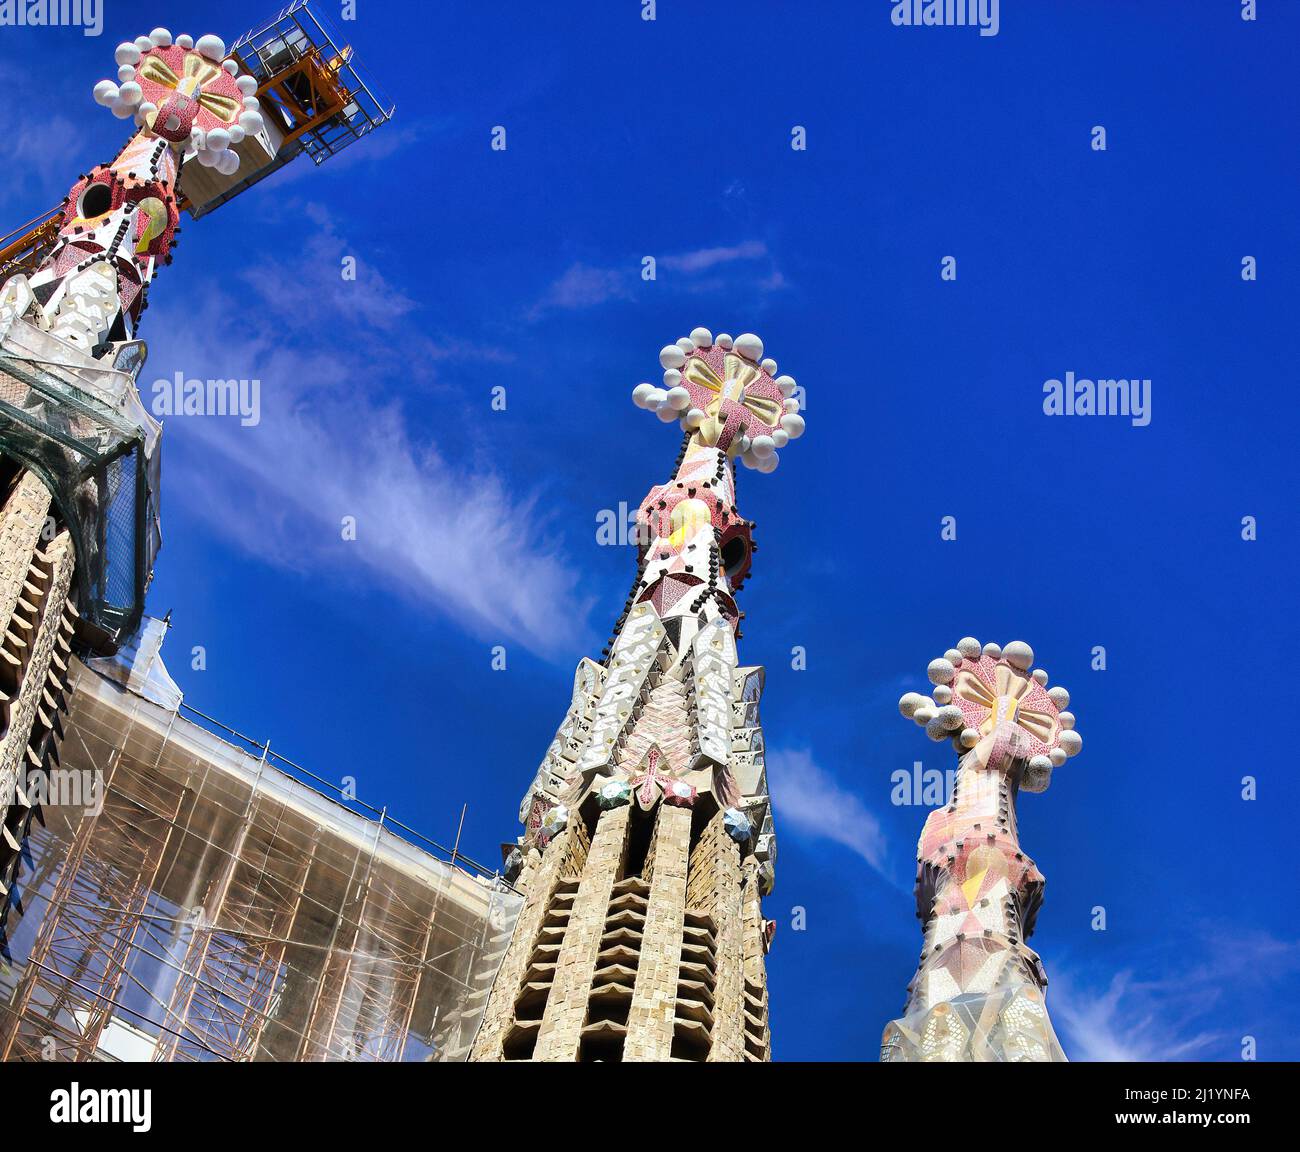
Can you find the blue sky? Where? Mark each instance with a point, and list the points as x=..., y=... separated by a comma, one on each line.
x=625, y=138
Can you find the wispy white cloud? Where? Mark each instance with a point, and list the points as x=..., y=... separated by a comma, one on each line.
x=1178, y=1013
x=810, y=803
x=1124, y=1022
x=702, y=258
x=584, y=285
x=460, y=541
x=335, y=440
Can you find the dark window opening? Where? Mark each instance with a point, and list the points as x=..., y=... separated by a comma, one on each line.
x=638, y=843
x=96, y=200
x=734, y=554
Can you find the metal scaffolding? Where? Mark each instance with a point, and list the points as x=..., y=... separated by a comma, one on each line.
x=194, y=901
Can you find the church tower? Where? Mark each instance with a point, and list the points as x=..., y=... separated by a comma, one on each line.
x=79, y=451
x=648, y=837
x=979, y=993
x=79, y=461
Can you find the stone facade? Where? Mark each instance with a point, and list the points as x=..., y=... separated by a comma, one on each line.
x=37, y=620
x=654, y=997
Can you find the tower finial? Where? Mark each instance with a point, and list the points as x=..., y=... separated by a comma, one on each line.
x=978, y=691
x=727, y=395
x=186, y=93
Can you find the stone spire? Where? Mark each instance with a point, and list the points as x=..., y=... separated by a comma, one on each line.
x=978, y=993
x=648, y=836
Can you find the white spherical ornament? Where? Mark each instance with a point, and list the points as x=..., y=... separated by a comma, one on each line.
x=198, y=139
x=145, y=110
x=678, y=398
x=686, y=344
x=769, y=366
x=1036, y=777
x=950, y=717
x=251, y=104
x=667, y=413
x=1040, y=765
x=246, y=84
x=207, y=157
x=161, y=37
x=749, y=346
x=657, y=396
x=127, y=53
x=924, y=713
x=143, y=43
x=1057, y=757
x=1040, y=676
x=1067, y=720
x=768, y=463
x=251, y=122
x=218, y=139
x=228, y=162
x=790, y=404
x=670, y=356
x=936, y=729
x=701, y=338
x=237, y=134
x=993, y=651
x=1018, y=654
x=957, y=745
x=641, y=395
x=969, y=647
x=125, y=73
x=213, y=47
x=942, y=694
x=953, y=657
x=1071, y=743
x=106, y=93
x=184, y=41
x=749, y=460
x=1060, y=697
x=780, y=437
x=122, y=110
x=792, y=425
x=786, y=384
x=694, y=418
x=231, y=66
x=743, y=444
x=969, y=737
x=130, y=93
x=940, y=671
x=763, y=446
x=672, y=377
x=909, y=702
x=723, y=341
